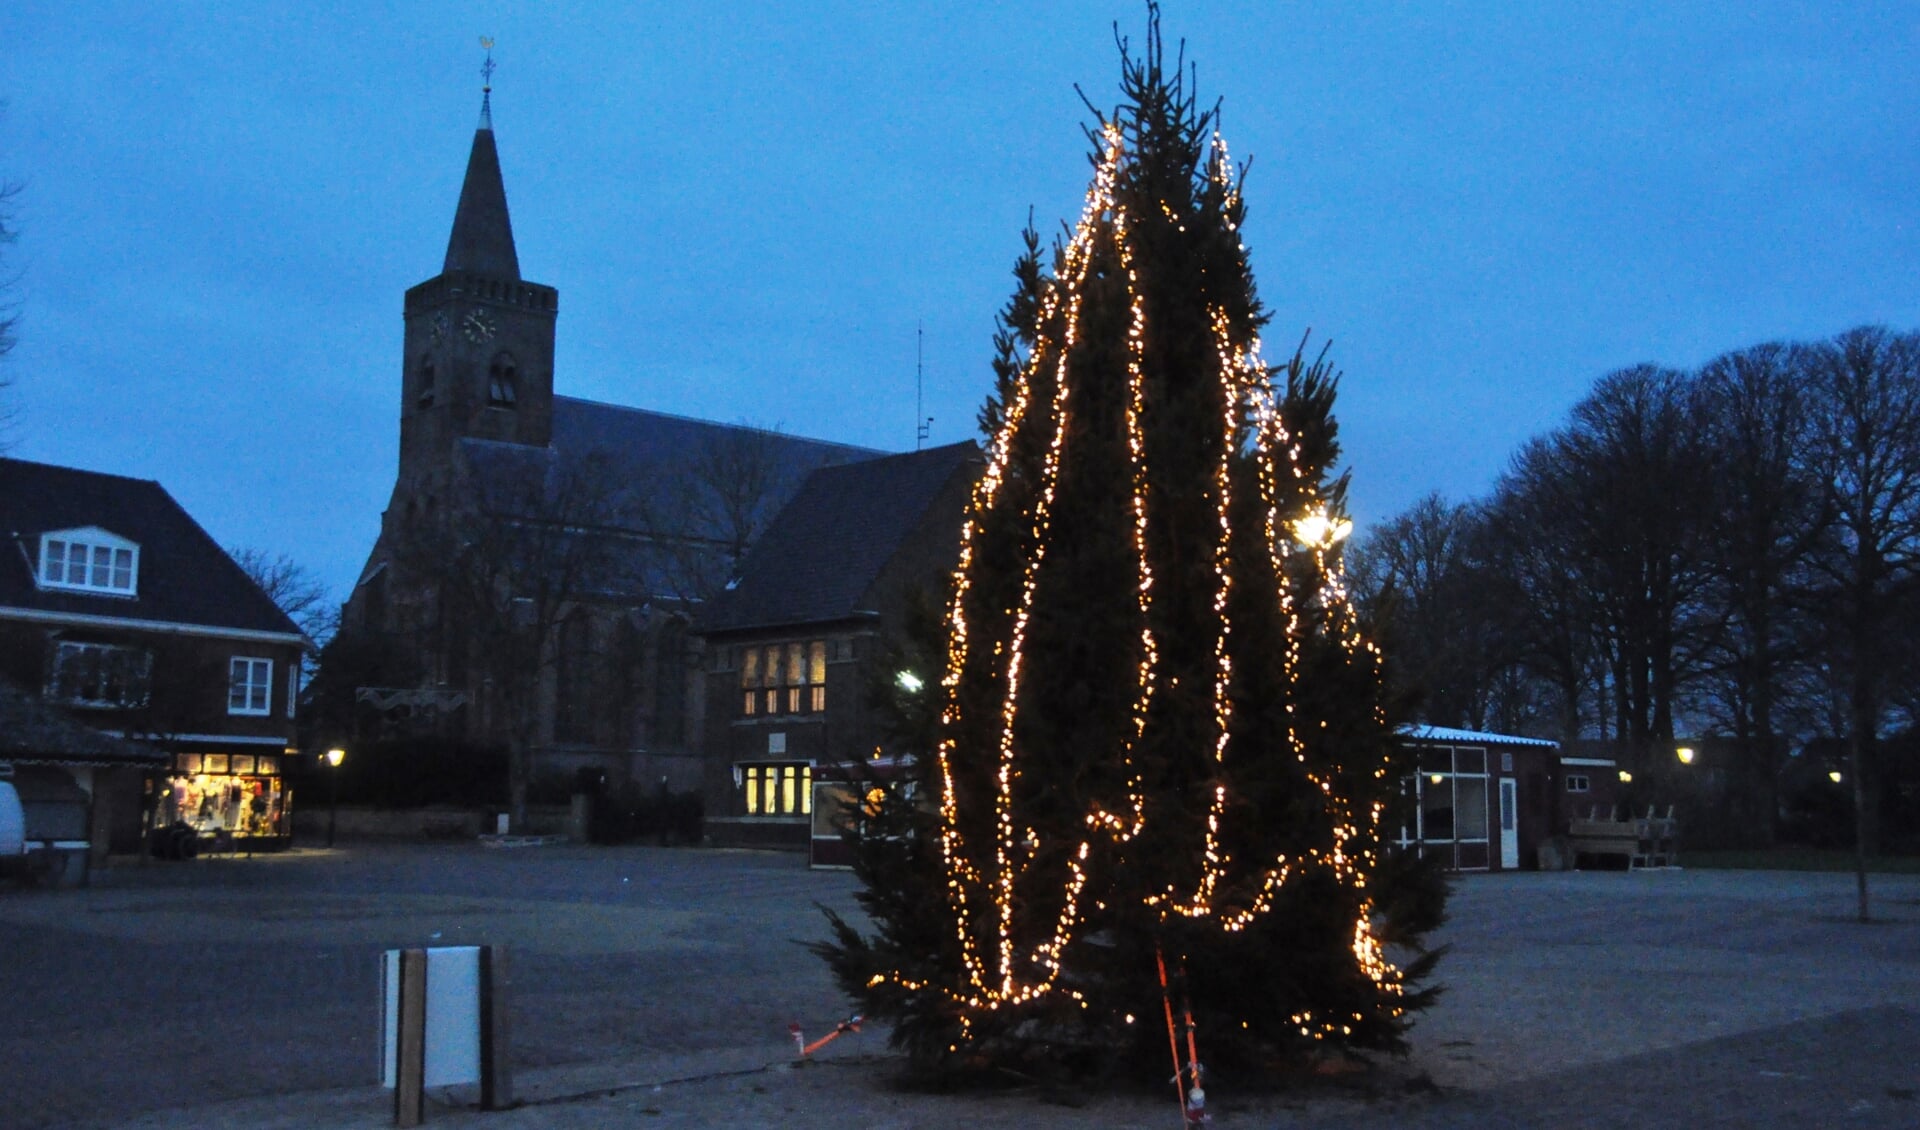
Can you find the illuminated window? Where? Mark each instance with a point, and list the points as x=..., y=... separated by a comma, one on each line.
x=784, y=678
x=93, y=674
x=776, y=789
x=91, y=560
x=249, y=685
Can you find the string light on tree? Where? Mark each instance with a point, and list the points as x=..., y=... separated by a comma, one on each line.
x=1161, y=728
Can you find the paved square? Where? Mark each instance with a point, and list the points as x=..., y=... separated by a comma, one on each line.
x=243, y=993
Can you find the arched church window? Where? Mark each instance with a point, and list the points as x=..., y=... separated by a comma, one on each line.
x=670, y=688
x=425, y=381
x=503, y=382
x=574, y=705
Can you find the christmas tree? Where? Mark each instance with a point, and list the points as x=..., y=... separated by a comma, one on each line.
x=1157, y=776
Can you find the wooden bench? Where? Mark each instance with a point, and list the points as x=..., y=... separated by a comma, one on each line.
x=1645, y=841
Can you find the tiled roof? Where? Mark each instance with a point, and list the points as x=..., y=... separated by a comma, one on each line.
x=825, y=550
x=665, y=471
x=482, y=239
x=184, y=576
x=33, y=730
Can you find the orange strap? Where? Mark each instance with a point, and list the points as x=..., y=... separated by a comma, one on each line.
x=1173, y=1037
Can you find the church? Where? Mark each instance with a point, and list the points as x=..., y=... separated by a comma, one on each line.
x=546, y=565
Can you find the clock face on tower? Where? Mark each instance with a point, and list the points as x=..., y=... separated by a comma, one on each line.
x=477, y=326
x=440, y=328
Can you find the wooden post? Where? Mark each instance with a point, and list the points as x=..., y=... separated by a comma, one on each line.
x=410, y=1073
x=496, y=1068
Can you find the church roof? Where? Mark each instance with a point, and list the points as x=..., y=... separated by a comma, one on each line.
x=678, y=487
x=482, y=239
x=820, y=559
x=184, y=577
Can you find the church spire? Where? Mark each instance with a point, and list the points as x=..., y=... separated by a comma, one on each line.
x=482, y=239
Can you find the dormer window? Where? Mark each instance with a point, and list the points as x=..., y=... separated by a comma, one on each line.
x=503, y=383
x=89, y=560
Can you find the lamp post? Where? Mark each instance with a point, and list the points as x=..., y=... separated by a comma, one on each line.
x=334, y=757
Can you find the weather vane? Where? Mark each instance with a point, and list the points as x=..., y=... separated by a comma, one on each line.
x=486, y=68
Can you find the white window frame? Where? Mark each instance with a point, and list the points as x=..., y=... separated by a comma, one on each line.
x=1584, y=783
x=94, y=544
x=1415, y=837
x=258, y=677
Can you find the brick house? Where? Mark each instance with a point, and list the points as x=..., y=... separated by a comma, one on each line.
x=793, y=646
x=120, y=612
x=1489, y=802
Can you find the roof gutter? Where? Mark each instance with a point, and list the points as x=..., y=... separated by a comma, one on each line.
x=81, y=619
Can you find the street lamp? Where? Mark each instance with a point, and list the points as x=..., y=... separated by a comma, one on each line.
x=1320, y=530
x=1685, y=754
x=334, y=757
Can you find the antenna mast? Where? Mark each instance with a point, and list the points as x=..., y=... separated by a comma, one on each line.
x=921, y=424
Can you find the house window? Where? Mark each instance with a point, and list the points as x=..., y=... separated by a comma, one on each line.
x=784, y=679
x=503, y=382
x=249, y=685
x=90, y=560
x=1578, y=783
x=776, y=789
x=94, y=674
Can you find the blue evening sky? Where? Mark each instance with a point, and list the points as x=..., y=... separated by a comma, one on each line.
x=747, y=208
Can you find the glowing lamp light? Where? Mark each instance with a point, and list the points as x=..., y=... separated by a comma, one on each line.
x=1320, y=529
x=909, y=682
x=1685, y=754
x=1436, y=778
x=1834, y=776
x=1626, y=778
x=336, y=756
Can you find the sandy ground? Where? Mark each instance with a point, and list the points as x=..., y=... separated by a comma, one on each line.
x=652, y=988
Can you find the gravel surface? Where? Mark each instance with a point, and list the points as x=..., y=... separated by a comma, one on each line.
x=653, y=987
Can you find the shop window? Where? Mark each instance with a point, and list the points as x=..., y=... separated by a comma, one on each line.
x=94, y=674
x=776, y=789
x=249, y=685
x=786, y=678
x=241, y=796
x=89, y=560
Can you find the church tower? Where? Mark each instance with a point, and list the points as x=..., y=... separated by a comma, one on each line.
x=478, y=359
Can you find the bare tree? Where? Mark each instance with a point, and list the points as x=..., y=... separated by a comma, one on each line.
x=9, y=310
x=1419, y=580
x=1866, y=447
x=1766, y=514
x=1627, y=477
x=702, y=517
x=293, y=588
x=505, y=577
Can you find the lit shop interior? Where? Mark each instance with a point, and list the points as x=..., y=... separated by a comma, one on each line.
x=241, y=796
